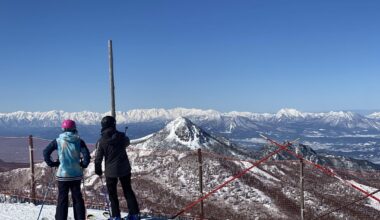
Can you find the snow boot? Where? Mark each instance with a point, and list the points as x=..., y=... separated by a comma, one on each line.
x=133, y=217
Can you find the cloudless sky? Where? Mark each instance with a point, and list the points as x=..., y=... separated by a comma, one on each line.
x=243, y=55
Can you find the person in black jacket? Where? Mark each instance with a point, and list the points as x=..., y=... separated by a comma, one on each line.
x=112, y=146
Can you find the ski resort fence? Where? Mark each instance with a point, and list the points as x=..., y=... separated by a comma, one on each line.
x=202, y=184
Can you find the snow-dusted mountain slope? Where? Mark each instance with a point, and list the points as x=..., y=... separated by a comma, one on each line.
x=338, y=162
x=182, y=134
x=165, y=178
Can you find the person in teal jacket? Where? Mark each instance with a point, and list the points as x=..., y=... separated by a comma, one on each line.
x=70, y=147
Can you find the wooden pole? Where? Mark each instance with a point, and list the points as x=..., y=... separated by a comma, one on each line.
x=200, y=179
x=31, y=159
x=110, y=56
x=302, y=190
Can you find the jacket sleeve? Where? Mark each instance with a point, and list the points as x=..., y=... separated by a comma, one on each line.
x=120, y=139
x=86, y=154
x=126, y=141
x=99, y=154
x=48, y=151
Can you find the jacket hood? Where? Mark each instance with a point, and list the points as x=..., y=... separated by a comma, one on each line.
x=69, y=136
x=108, y=132
x=111, y=134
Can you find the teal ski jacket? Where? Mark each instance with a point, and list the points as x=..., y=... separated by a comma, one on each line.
x=69, y=147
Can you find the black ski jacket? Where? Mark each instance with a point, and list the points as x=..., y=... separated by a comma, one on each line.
x=112, y=146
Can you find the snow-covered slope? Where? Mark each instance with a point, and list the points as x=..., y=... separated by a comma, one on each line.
x=182, y=134
x=338, y=162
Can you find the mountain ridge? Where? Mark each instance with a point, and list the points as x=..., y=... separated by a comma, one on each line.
x=54, y=118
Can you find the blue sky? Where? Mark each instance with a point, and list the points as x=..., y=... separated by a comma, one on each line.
x=257, y=55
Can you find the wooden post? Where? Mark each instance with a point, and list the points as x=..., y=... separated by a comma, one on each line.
x=200, y=179
x=110, y=56
x=31, y=159
x=302, y=190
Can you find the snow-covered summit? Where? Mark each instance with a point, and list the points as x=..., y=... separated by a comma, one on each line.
x=343, y=115
x=179, y=133
x=348, y=120
x=289, y=113
x=375, y=115
x=182, y=130
x=182, y=134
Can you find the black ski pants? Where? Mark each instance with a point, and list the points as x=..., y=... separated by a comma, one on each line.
x=63, y=200
x=129, y=195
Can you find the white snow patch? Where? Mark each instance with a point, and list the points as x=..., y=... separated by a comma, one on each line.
x=139, y=140
x=181, y=177
x=258, y=171
x=371, y=201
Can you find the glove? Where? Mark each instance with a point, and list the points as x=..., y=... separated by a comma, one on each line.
x=55, y=164
x=98, y=171
x=82, y=165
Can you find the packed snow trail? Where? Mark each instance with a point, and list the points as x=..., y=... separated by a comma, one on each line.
x=28, y=211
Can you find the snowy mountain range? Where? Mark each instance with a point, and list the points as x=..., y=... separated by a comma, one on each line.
x=54, y=118
x=165, y=178
x=342, y=133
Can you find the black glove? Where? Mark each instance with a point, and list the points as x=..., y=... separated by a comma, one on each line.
x=82, y=165
x=98, y=171
x=54, y=164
